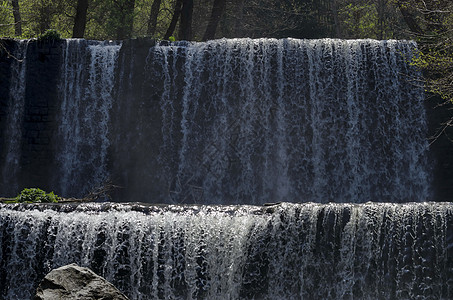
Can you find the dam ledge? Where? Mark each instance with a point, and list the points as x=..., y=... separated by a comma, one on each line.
x=150, y=208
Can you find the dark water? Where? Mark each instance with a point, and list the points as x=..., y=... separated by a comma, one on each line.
x=235, y=123
x=232, y=122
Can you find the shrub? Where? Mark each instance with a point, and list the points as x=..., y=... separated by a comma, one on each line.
x=49, y=36
x=35, y=195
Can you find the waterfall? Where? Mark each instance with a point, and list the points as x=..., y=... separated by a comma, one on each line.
x=82, y=141
x=288, y=120
x=16, y=103
x=227, y=121
x=297, y=124
x=286, y=251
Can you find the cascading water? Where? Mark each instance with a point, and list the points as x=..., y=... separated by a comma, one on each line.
x=82, y=141
x=287, y=251
x=236, y=121
x=283, y=120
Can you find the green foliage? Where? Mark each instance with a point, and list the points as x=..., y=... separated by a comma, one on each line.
x=35, y=195
x=49, y=36
x=172, y=39
x=6, y=18
x=438, y=68
x=435, y=42
x=360, y=20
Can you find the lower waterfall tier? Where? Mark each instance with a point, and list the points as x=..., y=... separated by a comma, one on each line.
x=280, y=251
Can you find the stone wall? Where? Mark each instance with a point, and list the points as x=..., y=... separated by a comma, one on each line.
x=441, y=149
x=41, y=108
x=38, y=121
x=5, y=75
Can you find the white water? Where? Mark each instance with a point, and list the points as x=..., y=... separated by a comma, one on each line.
x=239, y=121
x=86, y=89
x=234, y=121
x=11, y=164
x=288, y=251
x=292, y=120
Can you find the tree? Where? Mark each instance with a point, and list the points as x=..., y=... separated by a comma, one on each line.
x=287, y=18
x=185, y=26
x=45, y=16
x=431, y=23
x=183, y=10
x=381, y=9
x=80, y=19
x=239, y=18
x=217, y=10
x=152, y=21
x=336, y=18
x=17, y=18
x=378, y=19
x=124, y=18
x=174, y=19
x=409, y=18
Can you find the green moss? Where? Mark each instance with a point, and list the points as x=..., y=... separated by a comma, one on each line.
x=35, y=195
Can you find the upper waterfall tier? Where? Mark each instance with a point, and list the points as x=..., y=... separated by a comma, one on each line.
x=225, y=121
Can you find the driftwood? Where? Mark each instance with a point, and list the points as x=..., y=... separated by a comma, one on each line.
x=98, y=193
x=5, y=200
x=67, y=200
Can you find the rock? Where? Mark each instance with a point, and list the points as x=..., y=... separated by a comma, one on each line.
x=73, y=282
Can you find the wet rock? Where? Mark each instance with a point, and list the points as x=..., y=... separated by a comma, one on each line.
x=74, y=282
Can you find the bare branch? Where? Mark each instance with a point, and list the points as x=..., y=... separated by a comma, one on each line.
x=8, y=54
x=442, y=131
x=10, y=24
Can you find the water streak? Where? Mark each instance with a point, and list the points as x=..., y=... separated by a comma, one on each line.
x=233, y=121
x=293, y=120
x=286, y=251
x=86, y=91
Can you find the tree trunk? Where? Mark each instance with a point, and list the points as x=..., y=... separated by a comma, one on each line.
x=408, y=17
x=381, y=4
x=80, y=20
x=185, y=26
x=152, y=21
x=238, y=27
x=433, y=16
x=217, y=11
x=17, y=18
x=336, y=19
x=174, y=19
x=44, y=16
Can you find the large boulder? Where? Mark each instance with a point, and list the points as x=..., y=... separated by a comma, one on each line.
x=73, y=282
